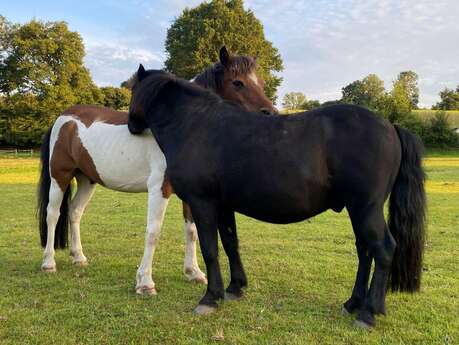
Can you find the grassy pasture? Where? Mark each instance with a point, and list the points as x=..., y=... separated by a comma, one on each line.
x=299, y=275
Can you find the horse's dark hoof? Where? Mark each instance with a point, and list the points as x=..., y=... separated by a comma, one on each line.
x=365, y=319
x=229, y=296
x=203, y=309
x=363, y=325
x=344, y=311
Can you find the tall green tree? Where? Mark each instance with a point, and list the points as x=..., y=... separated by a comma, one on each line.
x=196, y=36
x=410, y=80
x=116, y=97
x=298, y=101
x=293, y=100
x=41, y=74
x=449, y=99
x=365, y=92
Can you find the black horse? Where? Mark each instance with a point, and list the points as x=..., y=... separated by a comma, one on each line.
x=284, y=169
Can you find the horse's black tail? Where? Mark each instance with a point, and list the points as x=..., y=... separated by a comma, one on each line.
x=62, y=227
x=407, y=215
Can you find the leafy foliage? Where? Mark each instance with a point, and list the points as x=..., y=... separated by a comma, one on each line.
x=365, y=92
x=116, y=97
x=439, y=133
x=293, y=100
x=449, y=100
x=195, y=37
x=298, y=101
x=41, y=74
x=409, y=80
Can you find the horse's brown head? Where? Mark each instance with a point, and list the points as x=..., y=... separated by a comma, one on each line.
x=234, y=78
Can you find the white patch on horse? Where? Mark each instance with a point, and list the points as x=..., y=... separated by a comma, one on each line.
x=190, y=266
x=254, y=78
x=123, y=161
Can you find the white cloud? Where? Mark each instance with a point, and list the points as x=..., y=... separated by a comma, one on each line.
x=111, y=64
x=327, y=45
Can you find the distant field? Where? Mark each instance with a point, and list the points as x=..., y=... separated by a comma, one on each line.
x=453, y=115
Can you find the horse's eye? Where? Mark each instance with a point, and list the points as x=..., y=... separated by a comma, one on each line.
x=238, y=83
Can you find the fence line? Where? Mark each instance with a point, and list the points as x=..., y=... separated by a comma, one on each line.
x=17, y=152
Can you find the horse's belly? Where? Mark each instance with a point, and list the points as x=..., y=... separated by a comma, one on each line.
x=124, y=162
x=280, y=203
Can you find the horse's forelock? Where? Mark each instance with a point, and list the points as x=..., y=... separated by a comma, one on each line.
x=241, y=65
x=212, y=76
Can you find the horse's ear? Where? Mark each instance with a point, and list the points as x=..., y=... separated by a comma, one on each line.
x=224, y=56
x=141, y=73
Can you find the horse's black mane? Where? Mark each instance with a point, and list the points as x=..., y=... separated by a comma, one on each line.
x=156, y=80
x=212, y=76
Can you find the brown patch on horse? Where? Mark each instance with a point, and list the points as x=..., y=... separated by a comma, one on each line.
x=166, y=187
x=70, y=155
x=88, y=114
x=187, y=213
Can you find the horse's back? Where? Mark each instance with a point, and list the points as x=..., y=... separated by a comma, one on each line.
x=98, y=142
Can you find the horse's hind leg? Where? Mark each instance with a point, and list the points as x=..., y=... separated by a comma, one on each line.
x=381, y=246
x=190, y=264
x=56, y=196
x=360, y=289
x=85, y=190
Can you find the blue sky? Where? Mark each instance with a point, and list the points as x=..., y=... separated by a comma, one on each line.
x=324, y=44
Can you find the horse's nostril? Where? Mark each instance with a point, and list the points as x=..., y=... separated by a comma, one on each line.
x=266, y=111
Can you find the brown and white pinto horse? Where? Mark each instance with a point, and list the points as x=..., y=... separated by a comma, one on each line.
x=93, y=145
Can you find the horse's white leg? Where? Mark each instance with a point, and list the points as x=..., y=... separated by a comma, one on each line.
x=157, y=204
x=190, y=264
x=56, y=196
x=76, y=209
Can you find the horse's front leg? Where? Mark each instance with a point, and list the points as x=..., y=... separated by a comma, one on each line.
x=157, y=203
x=228, y=235
x=205, y=215
x=190, y=264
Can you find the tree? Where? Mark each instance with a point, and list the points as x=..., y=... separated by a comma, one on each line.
x=395, y=105
x=41, y=74
x=116, y=97
x=449, y=100
x=196, y=36
x=410, y=81
x=298, y=101
x=439, y=132
x=309, y=105
x=365, y=92
x=293, y=100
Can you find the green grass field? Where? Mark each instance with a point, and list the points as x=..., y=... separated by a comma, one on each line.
x=299, y=275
